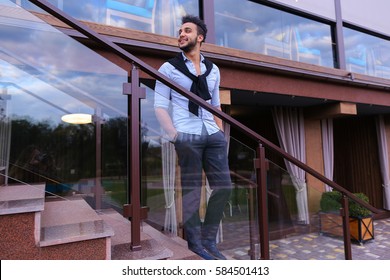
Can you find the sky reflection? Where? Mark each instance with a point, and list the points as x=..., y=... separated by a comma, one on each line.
x=38, y=58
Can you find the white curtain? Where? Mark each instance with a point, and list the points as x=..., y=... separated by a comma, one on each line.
x=169, y=171
x=327, y=149
x=383, y=159
x=289, y=124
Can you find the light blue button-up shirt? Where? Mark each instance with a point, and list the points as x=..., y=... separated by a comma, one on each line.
x=182, y=119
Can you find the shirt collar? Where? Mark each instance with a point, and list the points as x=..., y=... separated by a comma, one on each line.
x=186, y=59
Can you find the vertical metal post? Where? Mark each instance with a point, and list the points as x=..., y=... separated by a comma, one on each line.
x=339, y=37
x=344, y=212
x=262, y=208
x=135, y=93
x=254, y=250
x=5, y=136
x=206, y=9
x=97, y=120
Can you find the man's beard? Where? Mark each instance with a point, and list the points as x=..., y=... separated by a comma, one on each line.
x=189, y=47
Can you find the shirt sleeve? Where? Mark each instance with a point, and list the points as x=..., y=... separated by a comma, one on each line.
x=215, y=98
x=162, y=92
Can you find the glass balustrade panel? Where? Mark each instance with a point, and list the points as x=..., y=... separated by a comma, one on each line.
x=305, y=220
x=163, y=193
x=63, y=119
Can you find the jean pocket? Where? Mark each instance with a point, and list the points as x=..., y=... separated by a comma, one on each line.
x=178, y=137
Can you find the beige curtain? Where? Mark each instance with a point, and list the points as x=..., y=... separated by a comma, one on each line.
x=383, y=159
x=289, y=124
x=328, y=149
x=168, y=155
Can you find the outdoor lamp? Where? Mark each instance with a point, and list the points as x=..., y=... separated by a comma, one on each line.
x=77, y=118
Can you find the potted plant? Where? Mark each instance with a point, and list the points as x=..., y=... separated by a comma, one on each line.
x=360, y=218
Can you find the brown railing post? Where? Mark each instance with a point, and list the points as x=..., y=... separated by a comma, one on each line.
x=344, y=212
x=133, y=210
x=262, y=209
x=254, y=250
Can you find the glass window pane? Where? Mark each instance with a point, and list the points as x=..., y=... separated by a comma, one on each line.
x=367, y=54
x=372, y=14
x=323, y=8
x=156, y=16
x=253, y=27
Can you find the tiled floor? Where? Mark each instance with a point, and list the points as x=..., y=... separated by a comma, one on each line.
x=314, y=246
x=299, y=247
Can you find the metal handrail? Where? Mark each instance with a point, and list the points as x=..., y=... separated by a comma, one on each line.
x=114, y=48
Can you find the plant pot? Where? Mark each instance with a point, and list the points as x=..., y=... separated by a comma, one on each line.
x=360, y=220
x=361, y=229
x=331, y=224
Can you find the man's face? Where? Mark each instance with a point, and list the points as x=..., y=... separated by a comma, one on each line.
x=188, y=37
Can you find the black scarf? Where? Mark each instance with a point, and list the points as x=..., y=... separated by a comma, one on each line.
x=199, y=83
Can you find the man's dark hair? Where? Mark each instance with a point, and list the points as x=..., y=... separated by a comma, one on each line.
x=202, y=28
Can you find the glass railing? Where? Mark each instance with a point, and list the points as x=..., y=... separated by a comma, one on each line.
x=298, y=227
x=296, y=214
x=162, y=189
x=42, y=81
x=309, y=222
x=90, y=161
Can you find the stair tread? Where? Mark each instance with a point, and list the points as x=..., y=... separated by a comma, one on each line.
x=178, y=245
x=21, y=199
x=152, y=248
x=70, y=221
x=155, y=244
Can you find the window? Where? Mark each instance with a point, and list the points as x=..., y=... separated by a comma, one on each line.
x=367, y=54
x=156, y=16
x=257, y=28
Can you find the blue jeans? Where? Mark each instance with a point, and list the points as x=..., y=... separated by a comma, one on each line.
x=208, y=153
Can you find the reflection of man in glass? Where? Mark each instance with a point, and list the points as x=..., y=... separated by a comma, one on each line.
x=199, y=141
x=34, y=166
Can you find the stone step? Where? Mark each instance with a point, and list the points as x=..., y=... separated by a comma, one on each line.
x=20, y=215
x=176, y=244
x=155, y=244
x=66, y=221
x=35, y=227
x=21, y=199
x=151, y=249
x=71, y=229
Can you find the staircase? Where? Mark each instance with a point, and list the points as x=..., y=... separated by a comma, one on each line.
x=33, y=226
x=155, y=245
